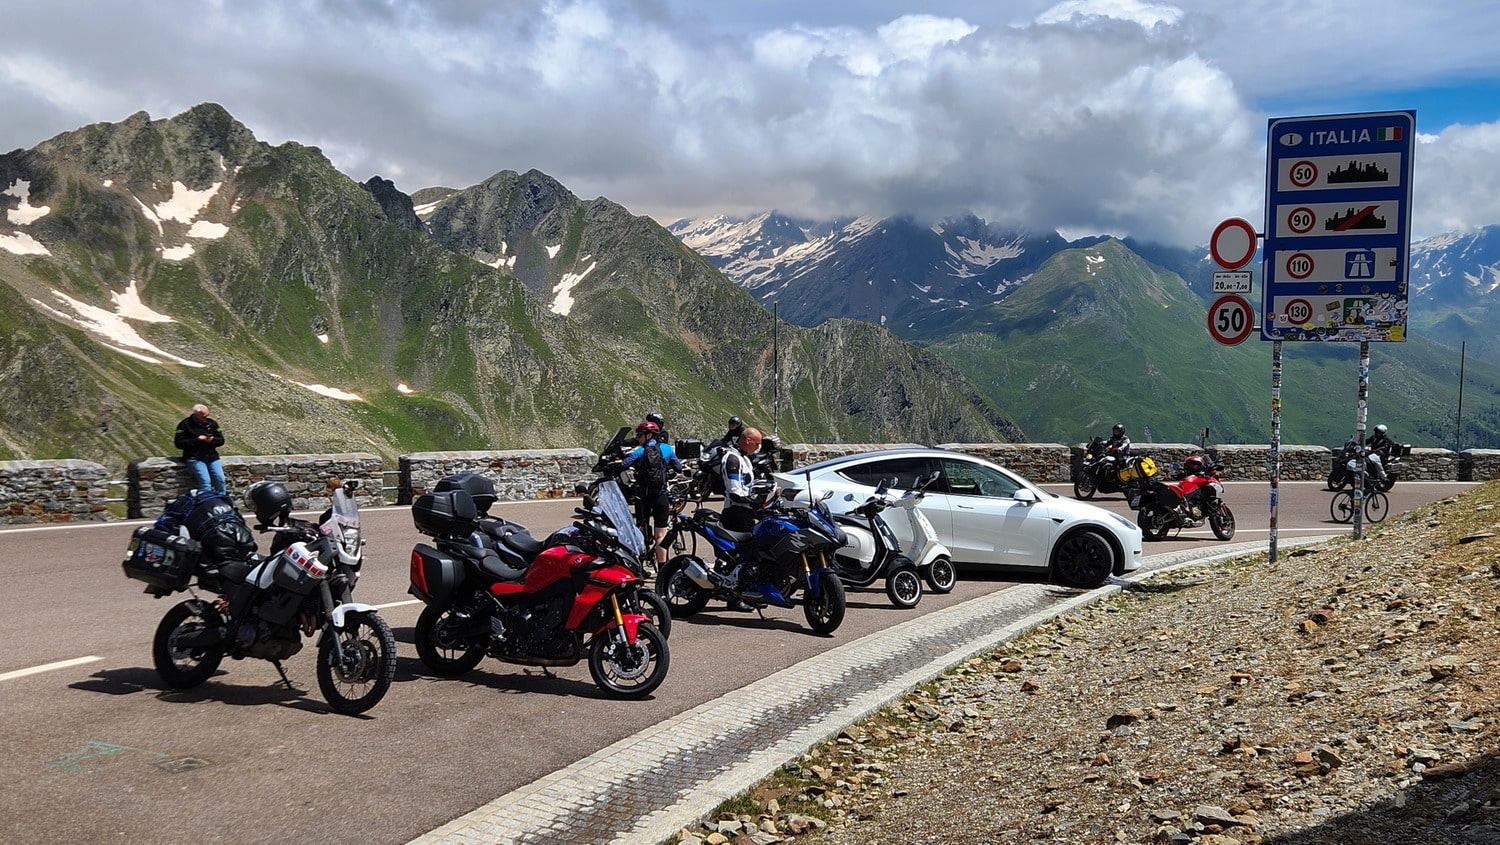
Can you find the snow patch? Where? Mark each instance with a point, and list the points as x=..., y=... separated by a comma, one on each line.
x=553, y=250
x=330, y=392
x=112, y=326
x=323, y=339
x=25, y=213
x=208, y=231
x=404, y=390
x=185, y=204
x=22, y=244
x=563, y=302
x=177, y=253
x=426, y=209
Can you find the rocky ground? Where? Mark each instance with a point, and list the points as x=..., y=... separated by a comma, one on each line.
x=1346, y=694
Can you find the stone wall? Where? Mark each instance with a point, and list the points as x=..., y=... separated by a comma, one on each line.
x=521, y=474
x=52, y=491
x=311, y=479
x=1478, y=465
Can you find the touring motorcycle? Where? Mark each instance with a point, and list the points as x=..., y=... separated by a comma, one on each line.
x=788, y=548
x=1107, y=471
x=570, y=602
x=1346, y=466
x=1195, y=497
x=267, y=604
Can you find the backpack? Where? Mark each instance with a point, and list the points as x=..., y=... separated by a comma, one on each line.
x=652, y=475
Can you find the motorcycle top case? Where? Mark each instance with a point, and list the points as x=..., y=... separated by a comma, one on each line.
x=450, y=513
x=162, y=559
x=479, y=487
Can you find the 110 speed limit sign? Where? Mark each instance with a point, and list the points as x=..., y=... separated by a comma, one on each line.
x=1230, y=319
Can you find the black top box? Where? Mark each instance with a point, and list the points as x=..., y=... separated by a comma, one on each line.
x=450, y=513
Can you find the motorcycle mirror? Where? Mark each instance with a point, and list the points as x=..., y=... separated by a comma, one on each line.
x=848, y=497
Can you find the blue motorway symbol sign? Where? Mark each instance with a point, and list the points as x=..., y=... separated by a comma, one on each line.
x=1338, y=227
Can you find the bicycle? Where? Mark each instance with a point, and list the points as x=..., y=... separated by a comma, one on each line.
x=1377, y=506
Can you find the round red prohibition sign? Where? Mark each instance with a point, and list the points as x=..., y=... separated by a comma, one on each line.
x=1233, y=243
x=1303, y=174
x=1230, y=319
x=1298, y=312
x=1301, y=220
x=1299, y=265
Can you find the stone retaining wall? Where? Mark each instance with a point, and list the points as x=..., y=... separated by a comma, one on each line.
x=73, y=490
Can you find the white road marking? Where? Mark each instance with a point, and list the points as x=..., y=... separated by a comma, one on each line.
x=61, y=664
x=397, y=604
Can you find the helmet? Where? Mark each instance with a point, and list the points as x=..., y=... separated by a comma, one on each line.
x=735, y=424
x=648, y=427
x=1193, y=464
x=1118, y=429
x=1380, y=429
x=270, y=501
x=656, y=417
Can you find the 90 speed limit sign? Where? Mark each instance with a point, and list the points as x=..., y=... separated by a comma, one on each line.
x=1230, y=319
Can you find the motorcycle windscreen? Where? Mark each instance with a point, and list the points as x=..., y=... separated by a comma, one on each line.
x=611, y=502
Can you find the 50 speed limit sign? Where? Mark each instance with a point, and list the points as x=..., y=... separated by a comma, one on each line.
x=1230, y=319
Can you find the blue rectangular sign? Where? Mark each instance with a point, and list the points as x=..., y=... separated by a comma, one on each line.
x=1338, y=227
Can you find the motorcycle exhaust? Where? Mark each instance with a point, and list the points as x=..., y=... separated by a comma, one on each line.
x=700, y=576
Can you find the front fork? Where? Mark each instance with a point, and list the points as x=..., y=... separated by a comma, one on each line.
x=812, y=577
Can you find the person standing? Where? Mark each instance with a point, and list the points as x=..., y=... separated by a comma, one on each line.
x=654, y=461
x=199, y=438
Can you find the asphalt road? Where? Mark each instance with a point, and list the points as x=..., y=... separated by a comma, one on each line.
x=99, y=750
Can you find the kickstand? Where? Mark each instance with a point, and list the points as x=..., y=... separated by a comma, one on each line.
x=284, y=678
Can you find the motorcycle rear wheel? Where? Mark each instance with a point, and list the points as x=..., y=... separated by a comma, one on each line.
x=361, y=679
x=825, y=611
x=941, y=575
x=182, y=667
x=904, y=587
x=1336, y=481
x=1085, y=487
x=1222, y=522
x=625, y=670
x=1153, y=522
x=655, y=608
x=439, y=649
x=682, y=595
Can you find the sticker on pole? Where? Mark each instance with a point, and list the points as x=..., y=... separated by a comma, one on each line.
x=1230, y=319
x=1233, y=243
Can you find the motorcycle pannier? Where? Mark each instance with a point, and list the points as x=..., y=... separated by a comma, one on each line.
x=434, y=575
x=1138, y=470
x=447, y=514
x=163, y=559
x=689, y=450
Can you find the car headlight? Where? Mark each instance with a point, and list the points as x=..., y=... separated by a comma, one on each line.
x=1123, y=521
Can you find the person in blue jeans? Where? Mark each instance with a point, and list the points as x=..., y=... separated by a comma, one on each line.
x=199, y=438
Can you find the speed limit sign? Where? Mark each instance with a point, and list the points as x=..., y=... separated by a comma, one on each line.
x=1230, y=319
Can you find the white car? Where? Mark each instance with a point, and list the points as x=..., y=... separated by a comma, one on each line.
x=986, y=515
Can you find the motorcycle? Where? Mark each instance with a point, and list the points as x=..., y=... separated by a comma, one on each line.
x=266, y=604
x=706, y=478
x=1106, y=471
x=872, y=550
x=569, y=604
x=1197, y=496
x=787, y=549
x=1345, y=467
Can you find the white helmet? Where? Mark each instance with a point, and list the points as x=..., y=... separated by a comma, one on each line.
x=1380, y=429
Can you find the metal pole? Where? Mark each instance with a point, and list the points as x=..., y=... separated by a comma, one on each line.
x=1359, y=434
x=1458, y=426
x=775, y=370
x=1275, y=444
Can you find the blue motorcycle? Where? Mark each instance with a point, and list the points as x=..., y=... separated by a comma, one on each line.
x=789, y=548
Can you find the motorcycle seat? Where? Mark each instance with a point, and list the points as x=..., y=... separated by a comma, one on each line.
x=487, y=561
x=515, y=537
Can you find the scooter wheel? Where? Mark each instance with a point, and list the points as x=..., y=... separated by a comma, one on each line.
x=941, y=575
x=904, y=587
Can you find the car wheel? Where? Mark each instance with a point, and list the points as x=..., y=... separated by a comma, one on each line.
x=1083, y=559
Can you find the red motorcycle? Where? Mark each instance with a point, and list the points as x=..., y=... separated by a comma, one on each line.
x=571, y=602
x=1195, y=497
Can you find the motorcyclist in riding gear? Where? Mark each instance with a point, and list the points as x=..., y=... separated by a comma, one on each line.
x=661, y=423
x=653, y=504
x=1118, y=443
x=1379, y=447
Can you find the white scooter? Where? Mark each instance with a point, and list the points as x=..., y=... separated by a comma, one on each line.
x=872, y=551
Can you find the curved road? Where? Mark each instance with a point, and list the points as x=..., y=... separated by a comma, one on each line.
x=98, y=749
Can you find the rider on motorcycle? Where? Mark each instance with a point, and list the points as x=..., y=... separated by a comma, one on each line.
x=1118, y=443
x=1379, y=446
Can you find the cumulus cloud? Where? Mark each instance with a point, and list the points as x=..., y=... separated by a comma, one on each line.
x=1125, y=116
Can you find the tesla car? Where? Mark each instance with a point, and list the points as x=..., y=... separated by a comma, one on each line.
x=985, y=514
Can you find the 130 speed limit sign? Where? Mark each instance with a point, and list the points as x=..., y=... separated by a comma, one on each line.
x=1230, y=319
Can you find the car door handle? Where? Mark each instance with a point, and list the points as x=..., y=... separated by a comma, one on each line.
x=965, y=507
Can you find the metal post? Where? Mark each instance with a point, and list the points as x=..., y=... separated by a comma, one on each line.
x=1359, y=434
x=1275, y=444
x=775, y=370
x=1458, y=424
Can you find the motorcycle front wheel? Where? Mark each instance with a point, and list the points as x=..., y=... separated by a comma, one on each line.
x=941, y=575
x=825, y=611
x=1222, y=522
x=626, y=670
x=1085, y=487
x=1153, y=522
x=358, y=681
x=682, y=595
x=904, y=587
x=441, y=646
x=180, y=665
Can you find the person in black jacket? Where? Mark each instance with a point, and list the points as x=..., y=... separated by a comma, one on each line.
x=199, y=438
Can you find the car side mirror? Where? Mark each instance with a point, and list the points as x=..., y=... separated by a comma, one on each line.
x=1024, y=496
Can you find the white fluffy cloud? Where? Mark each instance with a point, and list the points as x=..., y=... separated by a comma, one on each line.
x=1127, y=116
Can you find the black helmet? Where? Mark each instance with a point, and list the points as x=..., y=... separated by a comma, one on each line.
x=1118, y=429
x=270, y=501
x=656, y=417
x=736, y=424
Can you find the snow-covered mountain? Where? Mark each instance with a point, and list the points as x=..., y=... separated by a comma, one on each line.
x=892, y=271
x=1455, y=291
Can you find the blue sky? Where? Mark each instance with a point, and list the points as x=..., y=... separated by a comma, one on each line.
x=1119, y=116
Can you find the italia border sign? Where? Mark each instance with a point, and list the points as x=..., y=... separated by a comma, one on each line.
x=1338, y=227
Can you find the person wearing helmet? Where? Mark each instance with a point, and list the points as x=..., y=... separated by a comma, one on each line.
x=1118, y=443
x=661, y=424
x=1192, y=465
x=654, y=460
x=1379, y=449
x=199, y=438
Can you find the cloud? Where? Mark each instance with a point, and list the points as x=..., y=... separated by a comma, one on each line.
x=1127, y=116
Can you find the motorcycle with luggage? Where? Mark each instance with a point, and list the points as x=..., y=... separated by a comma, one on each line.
x=570, y=602
x=1346, y=467
x=787, y=550
x=1197, y=496
x=1109, y=471
x=265, y=605
x=872, y=550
